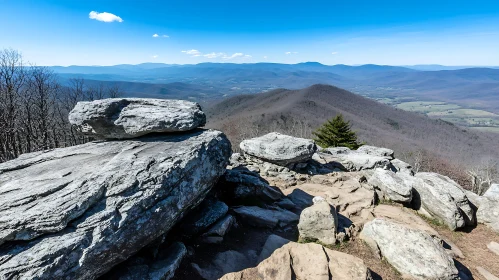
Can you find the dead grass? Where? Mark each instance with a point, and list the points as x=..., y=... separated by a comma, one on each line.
x=380, y=268
x=473, y=244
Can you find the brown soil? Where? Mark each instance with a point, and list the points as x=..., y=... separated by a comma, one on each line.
x=473, y=243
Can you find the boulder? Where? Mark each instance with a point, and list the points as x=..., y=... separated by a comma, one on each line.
x=269, y=218
x=206, y=214
x=74, y=213
x=305, y=261
x=414, y=253
x=125, y=118
x=488, y=212
x=376, y=151
x=279, y=149
x=161, y=269
x=492, y=192
x=272, y=243
x=336, y=151
x=244, y=185
x=223, y=263
x=486, y=274
x=396, y=187
x=399, y=166
x=444, y=199
x=216, y=232
x=493, y=247
x=319, y=222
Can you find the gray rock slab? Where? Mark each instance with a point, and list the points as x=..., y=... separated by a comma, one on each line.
x=76, y=212
x=279, y=148
x=269, y=218
x=124, y=118
x=412, y=252
x=445, y=200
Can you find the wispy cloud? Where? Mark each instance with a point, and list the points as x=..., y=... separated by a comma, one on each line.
x=105, y=17
x=265, y=57
x=333, y=53
x=224, y=56
x=192, y=52
x=288, y=53
x=163, y=36
x=155, y=56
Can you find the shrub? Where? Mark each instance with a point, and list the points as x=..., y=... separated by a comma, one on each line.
x=336, y=132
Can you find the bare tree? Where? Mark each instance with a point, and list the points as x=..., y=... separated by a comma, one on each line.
x=482, y=175
x=114, y=91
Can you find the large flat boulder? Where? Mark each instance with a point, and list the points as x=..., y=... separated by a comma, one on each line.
x=488, y=212
x=304, y=261
x=352, y=160
x=279, y=148
x=396, y=187
x=74, y=213
x=124, y=118
x=444, y=199
x=414, y=253
x=376, y=151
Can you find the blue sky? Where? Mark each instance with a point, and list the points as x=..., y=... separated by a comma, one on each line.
x=393, y=32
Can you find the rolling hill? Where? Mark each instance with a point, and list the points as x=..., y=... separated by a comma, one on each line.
x=299, y=112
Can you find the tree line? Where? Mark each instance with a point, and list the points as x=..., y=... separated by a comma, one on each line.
x=34, y=106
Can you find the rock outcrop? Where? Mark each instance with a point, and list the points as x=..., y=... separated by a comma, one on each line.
x=396, y=187
x=442, y=198
x=124, y=118
x=357, y=160
x=492, y=192
x=376, y=151
x=279, y=149
x=319, y=222
x=269, y=218
x=304, y=261
x=76, y=212
x=413, y=252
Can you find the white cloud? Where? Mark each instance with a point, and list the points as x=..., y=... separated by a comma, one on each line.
x=224, y=56
x=265, y=57
x=236, y=55
x=155, y=56
x=214, y=55
x=192, y=52
x=105, y=17
x=288, y=53
x=156, y=36
x=333, y=53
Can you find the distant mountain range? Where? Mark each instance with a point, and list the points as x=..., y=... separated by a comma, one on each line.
x=468, y=87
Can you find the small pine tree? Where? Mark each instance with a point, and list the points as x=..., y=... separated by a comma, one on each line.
x=336, y=132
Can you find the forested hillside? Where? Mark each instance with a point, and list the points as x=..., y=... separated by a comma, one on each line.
x=427, y=143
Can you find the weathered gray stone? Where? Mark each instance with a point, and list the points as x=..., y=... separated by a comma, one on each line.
x=444, y=199
x=492, y=192
x=401, y=167
x=376, y=151
x=124, y=118
x=223, y=263
x=162, y=269
x=246, y=185
x=394, y=186
x=260, y=217
x=319, y=222
x=336, y=151
x=486, y=274
x=279, y=149
x=206, y=214
x=217, y=231
x=488, y=212
x=493, y=247
x=76, y=212
x=412, y=252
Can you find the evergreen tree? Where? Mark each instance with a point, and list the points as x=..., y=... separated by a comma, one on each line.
x=336, y=132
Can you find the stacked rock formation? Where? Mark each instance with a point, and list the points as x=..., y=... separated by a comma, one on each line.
x=74, y=213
